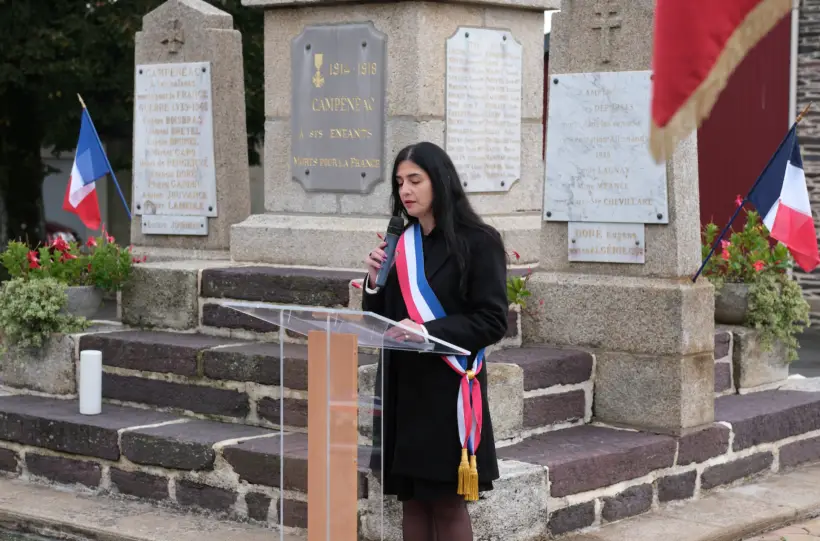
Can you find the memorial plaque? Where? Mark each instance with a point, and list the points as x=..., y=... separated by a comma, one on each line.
x=174, y=171
x=606, y=242
x=483, y=114
x=174, y=225
x=598, y=162
x=338, y=107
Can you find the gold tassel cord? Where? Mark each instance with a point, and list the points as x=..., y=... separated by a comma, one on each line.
x=463, y=474
x=468, y=471
x=472, y=489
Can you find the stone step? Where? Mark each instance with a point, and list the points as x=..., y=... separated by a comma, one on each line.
x=550, y=484
x=279, y=285
x=599, y=475
x=238, y=381
x=189, y=295
x=203, y=375
x=558, y=384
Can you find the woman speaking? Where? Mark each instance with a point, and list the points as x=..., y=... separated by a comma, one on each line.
x=438, y=445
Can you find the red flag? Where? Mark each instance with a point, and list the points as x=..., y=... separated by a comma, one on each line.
x=697, y=46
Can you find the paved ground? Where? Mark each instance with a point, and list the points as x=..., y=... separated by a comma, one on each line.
x=726, y=515
x=806, y=531
x=45, y=509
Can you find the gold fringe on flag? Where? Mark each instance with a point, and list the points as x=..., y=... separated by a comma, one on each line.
x=758, y=23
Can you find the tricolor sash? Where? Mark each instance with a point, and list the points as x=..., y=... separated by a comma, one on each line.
x=423, y=306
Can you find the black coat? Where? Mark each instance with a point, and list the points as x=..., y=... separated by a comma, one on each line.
x=419, y=400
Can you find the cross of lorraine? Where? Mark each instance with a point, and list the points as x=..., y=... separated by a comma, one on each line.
x=607, y=21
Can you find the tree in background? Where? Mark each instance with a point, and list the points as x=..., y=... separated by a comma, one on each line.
x=54, y=49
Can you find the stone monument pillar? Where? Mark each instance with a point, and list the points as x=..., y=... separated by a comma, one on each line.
x=348, y=84
x=620, y=237
x=190, y=170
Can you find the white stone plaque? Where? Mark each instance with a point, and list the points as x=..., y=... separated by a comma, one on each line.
x=174, y=225
x=174, y=170
x=483, y=108
x=598, y=164
x=606, y=242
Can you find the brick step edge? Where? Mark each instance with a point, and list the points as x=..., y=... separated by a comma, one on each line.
x=233, y=380
x=611, y=475
x=514, y=417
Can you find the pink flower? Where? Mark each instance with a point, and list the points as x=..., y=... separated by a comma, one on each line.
x=33, y=263
x=739, y=200
x=725, y=254
x=758, y=265
x=60, y=244
x=517, y=255
x=92, y=242
x=725, y=244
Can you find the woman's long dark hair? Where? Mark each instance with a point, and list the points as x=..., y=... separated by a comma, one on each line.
x=451, y=207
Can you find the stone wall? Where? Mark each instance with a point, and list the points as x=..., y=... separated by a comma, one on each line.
x=808, y=89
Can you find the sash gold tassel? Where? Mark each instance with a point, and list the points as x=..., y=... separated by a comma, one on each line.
x=472, y=488
x=463, y=474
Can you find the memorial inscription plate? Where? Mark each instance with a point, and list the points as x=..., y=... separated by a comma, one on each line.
x=606, y=242
x=174, y=171
x=483, y=111
x=338, y=107
x=598, y=164
x=174, y=225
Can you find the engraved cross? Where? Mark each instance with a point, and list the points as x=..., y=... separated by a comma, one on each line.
x=608, y=19
x=175, y=37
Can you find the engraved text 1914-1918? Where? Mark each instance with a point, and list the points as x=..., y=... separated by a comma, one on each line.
x=338, y=115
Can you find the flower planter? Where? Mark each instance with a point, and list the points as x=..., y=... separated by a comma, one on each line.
x=50, y=369
x=83, y=301
x=754, y=365
x=732, y=304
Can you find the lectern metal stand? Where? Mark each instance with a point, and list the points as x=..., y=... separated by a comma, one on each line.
x=335, y=441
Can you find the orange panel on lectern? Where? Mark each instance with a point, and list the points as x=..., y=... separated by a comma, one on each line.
x=333, y=412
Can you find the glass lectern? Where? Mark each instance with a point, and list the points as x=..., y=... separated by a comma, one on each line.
x=328, y=413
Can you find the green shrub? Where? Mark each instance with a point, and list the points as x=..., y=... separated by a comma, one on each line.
x=32, y=310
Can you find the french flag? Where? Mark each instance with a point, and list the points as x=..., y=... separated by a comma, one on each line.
x=782, y=199
x=90, y=164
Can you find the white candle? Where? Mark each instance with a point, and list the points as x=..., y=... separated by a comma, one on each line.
x=90, y=382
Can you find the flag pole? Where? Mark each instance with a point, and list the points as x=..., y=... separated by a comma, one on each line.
x=108, y=163
x=740, y=206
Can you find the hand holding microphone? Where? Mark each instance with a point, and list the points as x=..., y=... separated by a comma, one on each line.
x=381, y=259
x=374, y=262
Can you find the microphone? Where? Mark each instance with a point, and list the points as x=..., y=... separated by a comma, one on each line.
x=394, y=230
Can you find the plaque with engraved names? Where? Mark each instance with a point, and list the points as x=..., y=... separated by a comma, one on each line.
x=598, y=165
x=174, y=225
x=606, y=242
x=174, y=171
x=338, y=107
x=483, y=108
